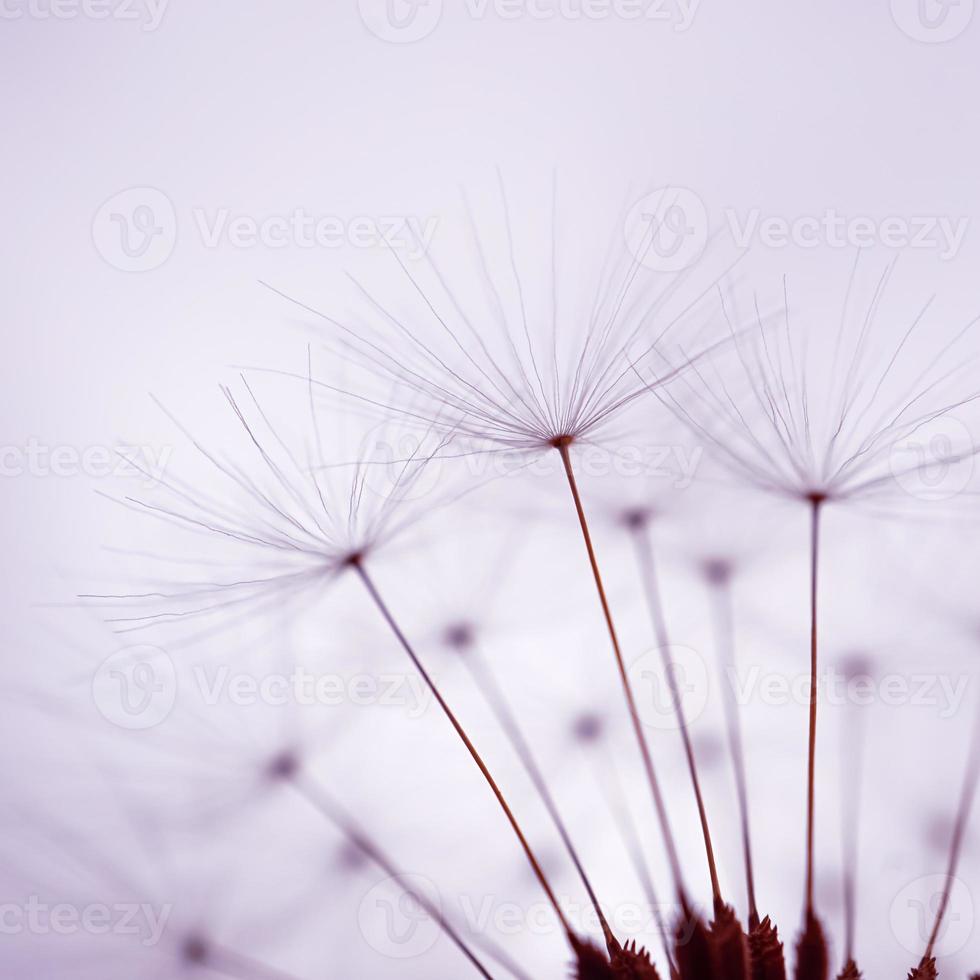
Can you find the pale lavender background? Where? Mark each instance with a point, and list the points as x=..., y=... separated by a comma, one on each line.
x=262, y=109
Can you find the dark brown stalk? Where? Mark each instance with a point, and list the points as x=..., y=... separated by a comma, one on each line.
x=591, y=963
x=729, y=945
x=633, y=963
x=562, y=445
x=926, y=970
x=812, y=956
x=624, y=963
x=816, y=503
x=692, y=947
x=719, y=577
x=366, y=846
x=640, y=533
x=766, y=960
x=357, y=565
x=488, y=687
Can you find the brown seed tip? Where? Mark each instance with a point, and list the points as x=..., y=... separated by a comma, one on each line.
x=812, y=956
x=766, y=952
x=561, y=442
x=354, y=560
x=728, y=944
x=692, y=946
x=850, y=972
x=926, y=970
x=591, y=963
x=631, y=963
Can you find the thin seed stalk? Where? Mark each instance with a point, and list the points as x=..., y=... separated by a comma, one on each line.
x=722, y=606
x=648, y=574
x=815, y=508
x=358, y=566
x=562, y=446
x=491, y=692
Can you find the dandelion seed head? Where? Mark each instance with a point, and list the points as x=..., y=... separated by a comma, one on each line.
x=821, y=427
x=518, y=349
x=279, y=519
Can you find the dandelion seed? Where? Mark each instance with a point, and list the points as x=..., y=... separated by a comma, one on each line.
x=329, y=537
x=639, y=530
x=528, y=397
x=774, y=439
